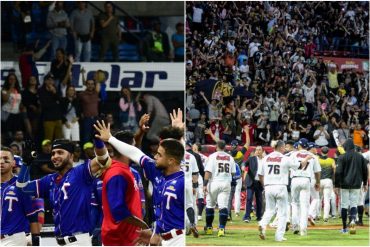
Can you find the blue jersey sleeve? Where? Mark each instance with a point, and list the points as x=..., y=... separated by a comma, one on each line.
x=116, y=190
x=150, y=170
x=85, y=173
x=237, y=173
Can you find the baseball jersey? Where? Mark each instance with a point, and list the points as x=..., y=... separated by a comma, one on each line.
x=96, y=203
x=139, y=183
x=168, y=196
x=366, y=155
x=121, y=199
x=16, y=208
x=172, y=203
x=327, y=170
x=275, y=168
x=70, y=198
x=155, y=176
x=190, y=166
x=221, y=165
x=204, y=159
x=312, y=167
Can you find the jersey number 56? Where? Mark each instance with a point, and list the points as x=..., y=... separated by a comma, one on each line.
x=223, y=167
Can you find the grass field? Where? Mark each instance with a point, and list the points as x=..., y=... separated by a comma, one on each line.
x=241, y=233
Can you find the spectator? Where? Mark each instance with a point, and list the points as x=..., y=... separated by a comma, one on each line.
x=51, y=110
x=216, y=129
x=359, y=136
x=158, y=116
x=61, y=71
x=11, y=104
x=156, y=45
x=27, y=62
x=30, y=99
x=19, y=141
x=42, y=165
x=89, y=103
x=83, y=29
x=58, y=24
x=71, y=115
x=178, y=40
x=321, y=136
x=129, y=109
x=110, y=32
x=88, y=149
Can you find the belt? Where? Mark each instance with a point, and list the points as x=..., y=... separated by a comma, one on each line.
x=6, y=235
x=301, y=177
x=169, y=235
x=67, y=239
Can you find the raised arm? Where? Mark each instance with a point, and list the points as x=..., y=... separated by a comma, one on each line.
x=143, y=128
x=127, y=150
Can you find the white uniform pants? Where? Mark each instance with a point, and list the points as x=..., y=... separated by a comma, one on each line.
x=238, y=190
x=178, y=240
x=72, y=133
x=276, y=197
x=333, y=203
x=326, y=186
x=200, y=188
x=218, y=192
x=300, y=201
x=349, y=197
x=315, y=201
x=17, y=239
x=188, y=196
x=361, y=197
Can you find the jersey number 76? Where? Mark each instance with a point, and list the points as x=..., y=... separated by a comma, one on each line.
x=275, y=168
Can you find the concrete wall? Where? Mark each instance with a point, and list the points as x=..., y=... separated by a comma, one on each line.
x=147, y=8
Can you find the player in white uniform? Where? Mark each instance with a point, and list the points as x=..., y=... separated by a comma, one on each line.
x=191, y=185
x=301, y=180
x=200, y=194
x=274, y=176
x=219, y=170
x=314, y=210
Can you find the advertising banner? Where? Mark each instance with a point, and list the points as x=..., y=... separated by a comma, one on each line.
x=137, y=76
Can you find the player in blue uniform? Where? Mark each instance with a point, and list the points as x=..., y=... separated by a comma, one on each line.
x=168, y=180
x=69, y=190
x=16, y=208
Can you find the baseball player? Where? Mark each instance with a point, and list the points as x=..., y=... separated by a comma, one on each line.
x=219, y=170
x=200, y=195
x=120, y=198
x=16, y=208
x=314, y=210
x=273, y=175
x=168, y=180
x=301, y=180
x=69, y=190
x=350, y=172
x=326, y=183
x=191, y=185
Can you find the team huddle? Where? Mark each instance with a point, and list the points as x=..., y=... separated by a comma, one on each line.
x=292, y=177
x=102, y=193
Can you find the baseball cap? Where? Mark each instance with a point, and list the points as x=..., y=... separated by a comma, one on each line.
x=295, y=145
x=88, y=145
x=312, y=145
x=234, y=143
x=44, y=142
x=303, y=142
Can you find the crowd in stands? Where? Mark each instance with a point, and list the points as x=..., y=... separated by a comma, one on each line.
x=49, y=108
x=72, y=27
x=261, y=58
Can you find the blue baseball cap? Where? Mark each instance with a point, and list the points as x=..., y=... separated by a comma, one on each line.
x=303, y=142
x=312, y=145
x=295, y=145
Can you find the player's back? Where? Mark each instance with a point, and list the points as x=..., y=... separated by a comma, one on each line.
x=190, y=166
x=312, y=167
x=221, y=165
x=275, y=169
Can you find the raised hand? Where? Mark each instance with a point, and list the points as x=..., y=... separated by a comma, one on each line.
x=103, y=131
x=176, y=119
x=143, y=123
